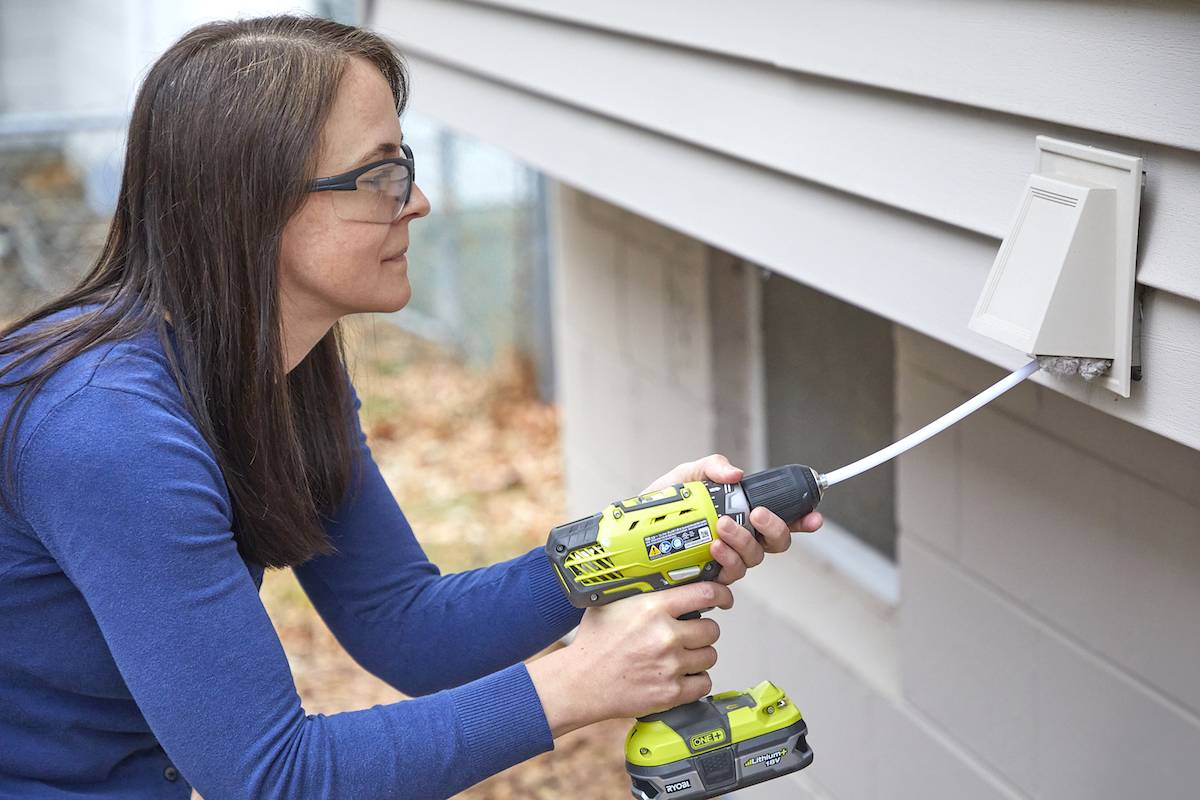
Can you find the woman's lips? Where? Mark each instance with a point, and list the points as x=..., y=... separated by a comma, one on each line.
x=397, y=256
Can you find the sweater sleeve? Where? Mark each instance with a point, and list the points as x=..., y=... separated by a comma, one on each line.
x=125, y=494
x=412, y=627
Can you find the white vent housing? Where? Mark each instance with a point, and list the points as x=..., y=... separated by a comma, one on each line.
x=1063, y=281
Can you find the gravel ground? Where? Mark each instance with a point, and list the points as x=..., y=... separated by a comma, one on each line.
x=474, y=461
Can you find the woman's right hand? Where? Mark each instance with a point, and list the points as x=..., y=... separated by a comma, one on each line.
x=632, y=657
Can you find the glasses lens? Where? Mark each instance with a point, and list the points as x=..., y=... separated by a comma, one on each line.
x=379, y=196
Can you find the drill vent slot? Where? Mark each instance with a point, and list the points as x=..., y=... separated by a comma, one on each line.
x=591, y=565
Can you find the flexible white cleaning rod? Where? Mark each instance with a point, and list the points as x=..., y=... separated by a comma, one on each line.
x=930, y=430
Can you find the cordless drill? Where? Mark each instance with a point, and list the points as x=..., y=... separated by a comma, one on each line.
x=662, y=539
x=659, y=540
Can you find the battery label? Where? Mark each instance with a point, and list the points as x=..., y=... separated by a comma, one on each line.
x=685, y=537
x=767, y=759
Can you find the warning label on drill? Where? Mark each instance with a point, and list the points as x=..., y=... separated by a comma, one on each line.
x=685, y=537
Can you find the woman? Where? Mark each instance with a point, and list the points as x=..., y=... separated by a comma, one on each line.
x=182, y=420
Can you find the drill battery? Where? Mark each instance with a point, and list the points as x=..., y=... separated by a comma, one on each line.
x=716, y=745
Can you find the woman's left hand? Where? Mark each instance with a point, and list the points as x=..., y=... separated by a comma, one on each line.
x=738, y=548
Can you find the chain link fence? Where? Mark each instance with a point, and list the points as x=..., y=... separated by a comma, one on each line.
x=54, y=210
x=479, y=263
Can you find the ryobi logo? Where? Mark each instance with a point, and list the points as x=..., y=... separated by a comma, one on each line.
x=678, y=787
x=703, y=740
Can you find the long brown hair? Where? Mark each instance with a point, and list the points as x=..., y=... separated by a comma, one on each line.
x=223, y=142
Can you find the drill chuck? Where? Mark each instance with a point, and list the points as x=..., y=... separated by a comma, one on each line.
x=790, y=492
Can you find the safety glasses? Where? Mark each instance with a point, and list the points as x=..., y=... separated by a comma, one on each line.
x=376, y=192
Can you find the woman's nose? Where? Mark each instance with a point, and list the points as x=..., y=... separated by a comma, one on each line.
x=417, y=205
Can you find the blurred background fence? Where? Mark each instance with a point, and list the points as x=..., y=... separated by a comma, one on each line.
x=479, y=263
x=68, y=73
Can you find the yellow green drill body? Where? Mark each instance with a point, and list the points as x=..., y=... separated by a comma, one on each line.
x=661, y=539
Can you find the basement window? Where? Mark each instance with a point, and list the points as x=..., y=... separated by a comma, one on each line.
x=829, y=374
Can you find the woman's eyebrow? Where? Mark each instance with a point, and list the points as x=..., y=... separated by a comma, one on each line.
x=383, y=150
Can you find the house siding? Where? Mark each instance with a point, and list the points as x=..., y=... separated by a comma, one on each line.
x=1086, y=65
x=892, y=200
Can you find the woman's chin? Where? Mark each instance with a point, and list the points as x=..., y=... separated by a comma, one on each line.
x=382, y=298
x=397, y=300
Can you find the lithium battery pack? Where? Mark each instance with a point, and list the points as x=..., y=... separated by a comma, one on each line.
x=716, y=745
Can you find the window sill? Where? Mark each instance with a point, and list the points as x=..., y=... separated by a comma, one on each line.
x=841, y=596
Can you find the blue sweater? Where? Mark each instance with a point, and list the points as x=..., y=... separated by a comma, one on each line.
x=136, y=656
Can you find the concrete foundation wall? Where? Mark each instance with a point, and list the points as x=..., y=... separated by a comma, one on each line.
x=633, y=362
x=1047, y=628
x=1050, y=560
x=1046, y=643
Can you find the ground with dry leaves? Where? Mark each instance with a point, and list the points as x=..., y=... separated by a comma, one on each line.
x=474, y=461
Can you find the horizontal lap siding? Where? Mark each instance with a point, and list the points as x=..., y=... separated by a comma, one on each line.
x=891, y=201
x=1125, y=68
x=960, y=164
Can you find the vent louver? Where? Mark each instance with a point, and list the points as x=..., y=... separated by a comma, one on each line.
x=592, y=565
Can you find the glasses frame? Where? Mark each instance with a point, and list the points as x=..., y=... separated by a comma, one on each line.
x=348, y=181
